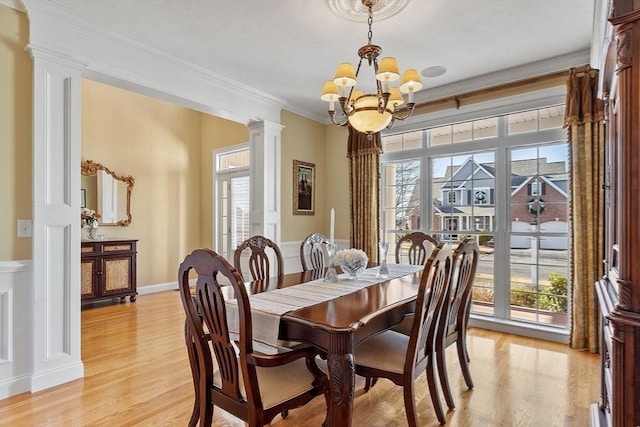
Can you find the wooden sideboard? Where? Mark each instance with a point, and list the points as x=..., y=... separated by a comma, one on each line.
x=108, y=270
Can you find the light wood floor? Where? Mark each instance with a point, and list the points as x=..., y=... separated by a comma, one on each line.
x=137, y=374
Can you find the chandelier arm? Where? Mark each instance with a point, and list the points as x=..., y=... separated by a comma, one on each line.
x=358, y=69
x=408, y=110
x=335, y=122
x=392, y=122
x=347, y=112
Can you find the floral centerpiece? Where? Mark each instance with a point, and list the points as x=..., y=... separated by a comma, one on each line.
x=89, y=220
x=352, y=261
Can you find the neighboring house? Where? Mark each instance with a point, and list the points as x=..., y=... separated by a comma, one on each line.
x=464, y=200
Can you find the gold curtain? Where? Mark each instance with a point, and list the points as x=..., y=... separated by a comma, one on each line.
x=364, y=178
x=584, y=119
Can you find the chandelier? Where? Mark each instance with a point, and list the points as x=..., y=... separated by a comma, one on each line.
x=370, y=113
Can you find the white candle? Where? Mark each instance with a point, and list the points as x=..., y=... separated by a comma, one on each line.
x=332, y=226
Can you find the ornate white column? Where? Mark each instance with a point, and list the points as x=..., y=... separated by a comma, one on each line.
x=264, y=143
x=56, y=220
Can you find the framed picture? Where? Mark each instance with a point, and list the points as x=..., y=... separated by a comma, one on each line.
x=83, y=198
x=304, y=191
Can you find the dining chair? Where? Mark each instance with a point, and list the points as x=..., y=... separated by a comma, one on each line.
x=313, y=252
x=455, y=316
x=261, y=250
x=414, y=248
x=402, y=358
x=229, y=374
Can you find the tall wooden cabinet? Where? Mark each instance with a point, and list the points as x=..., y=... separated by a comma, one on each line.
x=619, y=289
x=108, y=270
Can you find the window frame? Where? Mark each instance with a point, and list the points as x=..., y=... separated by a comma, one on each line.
x=500, y=144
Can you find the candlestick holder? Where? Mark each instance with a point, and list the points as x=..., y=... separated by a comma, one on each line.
x=332, y=275
x=383, y=270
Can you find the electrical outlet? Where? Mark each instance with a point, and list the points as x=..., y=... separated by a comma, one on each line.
x=24, y=228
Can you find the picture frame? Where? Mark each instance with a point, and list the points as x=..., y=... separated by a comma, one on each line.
x=83, y=198
x=304, y=192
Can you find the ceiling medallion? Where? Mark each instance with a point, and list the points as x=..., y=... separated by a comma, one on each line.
x=354, y=10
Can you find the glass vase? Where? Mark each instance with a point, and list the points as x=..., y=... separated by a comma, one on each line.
x=383, y=270
x=353, y=269
x=332, y=275
x=91, y=231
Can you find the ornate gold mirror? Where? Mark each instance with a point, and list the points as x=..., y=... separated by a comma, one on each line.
x=107, y=193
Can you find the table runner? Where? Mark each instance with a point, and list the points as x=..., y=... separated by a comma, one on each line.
x=267, y=307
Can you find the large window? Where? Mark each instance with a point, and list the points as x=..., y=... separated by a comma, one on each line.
x=503, y=181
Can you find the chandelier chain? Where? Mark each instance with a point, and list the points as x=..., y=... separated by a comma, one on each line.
x=370, y=21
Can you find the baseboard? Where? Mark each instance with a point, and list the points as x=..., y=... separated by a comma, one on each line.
x=517, y=328
x=160, y=287
x=56, y=377
x=15, y=385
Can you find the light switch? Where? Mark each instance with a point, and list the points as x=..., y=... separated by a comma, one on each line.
x=24, y=228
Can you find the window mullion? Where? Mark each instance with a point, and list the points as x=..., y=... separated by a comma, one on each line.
x=501, y=247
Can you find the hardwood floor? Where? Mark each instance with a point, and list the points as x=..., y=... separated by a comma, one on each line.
x=137, y=374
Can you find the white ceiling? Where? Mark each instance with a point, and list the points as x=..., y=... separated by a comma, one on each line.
x=288, y=48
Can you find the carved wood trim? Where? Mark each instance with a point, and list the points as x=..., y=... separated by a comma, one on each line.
x=624, y=56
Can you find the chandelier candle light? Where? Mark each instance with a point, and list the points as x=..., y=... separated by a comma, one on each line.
x=370, y=113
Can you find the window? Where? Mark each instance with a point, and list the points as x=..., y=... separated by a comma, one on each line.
x=402, y=142
x=451, y=197
x=462, y=132
x=534, y=120
x=481, y=196
x=536, y=188
x=232, y=203
x=402, y=198
x=509, y=192
x=539, y=236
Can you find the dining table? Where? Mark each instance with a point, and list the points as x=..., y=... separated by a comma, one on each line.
x=350, y=312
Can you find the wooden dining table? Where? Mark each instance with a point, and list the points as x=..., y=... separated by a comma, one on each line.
x=336, y=326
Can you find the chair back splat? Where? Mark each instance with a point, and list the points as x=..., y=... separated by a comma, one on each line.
x=228, y=373
x=261, y=251
x=415, y=248
x=313, y=252
x=455, y=315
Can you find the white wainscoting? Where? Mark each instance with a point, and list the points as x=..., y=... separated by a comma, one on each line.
x=291, y=260
x=15, y=327
x=291, y=254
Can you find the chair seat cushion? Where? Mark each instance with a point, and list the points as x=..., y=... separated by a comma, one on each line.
x=278, y=383
x=385, y=351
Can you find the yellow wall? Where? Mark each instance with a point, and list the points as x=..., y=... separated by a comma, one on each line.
x=302, y=139
x=216, y=133
x=168, y=150
x=16, y=75
x=157, y=143
x=336, y=182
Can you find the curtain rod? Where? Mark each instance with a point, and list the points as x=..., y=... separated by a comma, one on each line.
x=512, y=88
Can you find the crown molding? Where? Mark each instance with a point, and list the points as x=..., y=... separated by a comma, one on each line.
x=13, y=4
x=534, y=69
x=115, y=58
